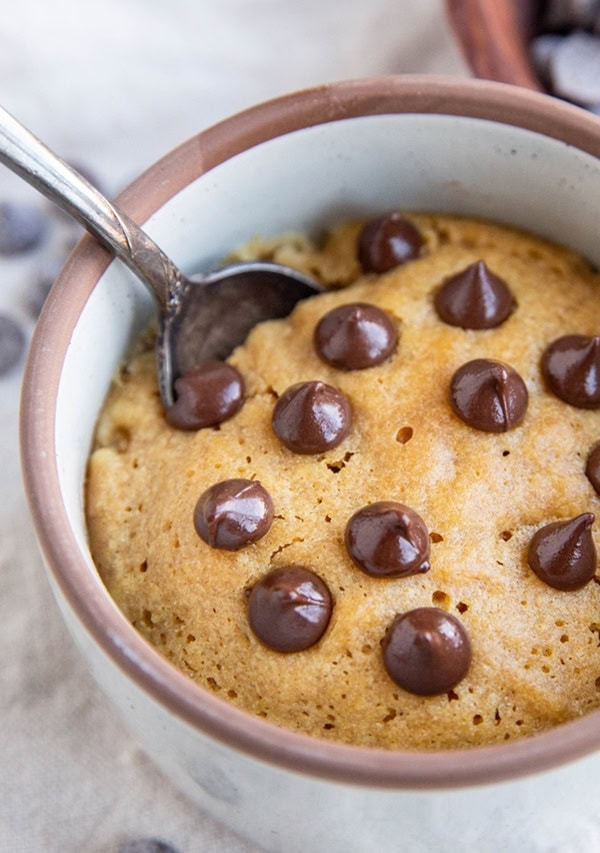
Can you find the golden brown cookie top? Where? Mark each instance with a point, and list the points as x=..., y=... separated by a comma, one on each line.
x=480, y=496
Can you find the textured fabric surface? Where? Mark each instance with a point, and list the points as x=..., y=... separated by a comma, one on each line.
x=111, y=87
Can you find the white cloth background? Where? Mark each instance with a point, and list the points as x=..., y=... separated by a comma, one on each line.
x=114, y=85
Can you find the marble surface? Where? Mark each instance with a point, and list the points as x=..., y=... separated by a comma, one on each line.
x=111, y=87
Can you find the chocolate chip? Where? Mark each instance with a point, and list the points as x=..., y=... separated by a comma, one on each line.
x=562, y=554
x=575, y=68
x=592, y=468
x=571, y=365
x=22, y=228
x=312, y=417
x=488, y=395
x=475, y=298
x=206, y=395
x=388, y=539
x=146, y=845
x=426, y=651
x=356, y=336
x=387, y=242
x=233, y=514
x=289, y=609
x=12, y=343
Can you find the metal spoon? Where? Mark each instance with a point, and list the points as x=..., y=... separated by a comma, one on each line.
x=200, y=318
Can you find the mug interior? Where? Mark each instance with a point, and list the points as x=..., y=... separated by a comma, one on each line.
x=443, y=153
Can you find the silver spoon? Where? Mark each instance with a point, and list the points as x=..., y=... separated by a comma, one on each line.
x=200, y=318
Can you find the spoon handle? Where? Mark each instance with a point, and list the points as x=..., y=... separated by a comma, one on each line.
x=25, y=154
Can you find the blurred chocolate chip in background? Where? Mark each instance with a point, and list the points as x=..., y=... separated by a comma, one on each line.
x=41, y=282
x=12, y=343
x=36, y=238
x=23, y=227
x=146, y=845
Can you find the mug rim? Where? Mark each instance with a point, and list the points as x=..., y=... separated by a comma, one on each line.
x=97, y=613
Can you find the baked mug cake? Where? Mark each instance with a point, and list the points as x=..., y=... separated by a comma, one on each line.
x=375, y=522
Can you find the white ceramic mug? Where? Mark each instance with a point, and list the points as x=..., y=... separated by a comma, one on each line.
x=304, y=162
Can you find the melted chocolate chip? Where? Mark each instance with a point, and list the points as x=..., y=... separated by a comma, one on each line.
x=312, y=417
x=475, y=298
x=388, y=539
x=562, y=554
x=289, y=609
x=387, y=242
x=426, y=651
x=571, y=366
x=206, y=395
x=233, y=514
x=488, y=395
x=592, y=468
x=354, y=337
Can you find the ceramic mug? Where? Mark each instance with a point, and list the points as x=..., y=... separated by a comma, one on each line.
x=307, y=161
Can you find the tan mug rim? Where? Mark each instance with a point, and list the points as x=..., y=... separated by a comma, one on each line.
x=96, y=612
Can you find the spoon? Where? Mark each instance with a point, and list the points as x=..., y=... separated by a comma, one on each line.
x=202, y=317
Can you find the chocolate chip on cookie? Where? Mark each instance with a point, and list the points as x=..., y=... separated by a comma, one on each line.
x=426, y=651
x=388, y=539
x=355, y=336
x=474, y=298
x=289, y=609
x=388, y=241
x=233, y=514
x=206, y=396
x=311, y=417
x=562, y=554
x=488, y=395
x=571, y=365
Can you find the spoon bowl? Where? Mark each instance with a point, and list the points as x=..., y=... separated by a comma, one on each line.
x=200, y=318
x=218, y=310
